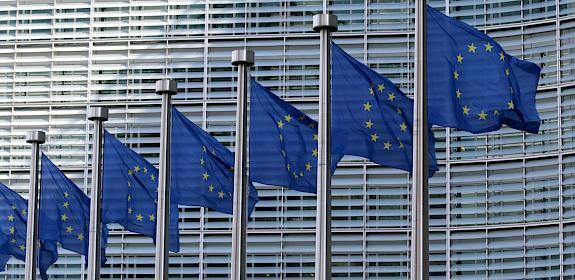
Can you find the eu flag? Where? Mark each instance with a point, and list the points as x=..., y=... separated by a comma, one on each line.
x=375, y=116
x=13, y=214
x=473, y=84
x=129, y=194
x=283, y=143
x=64, y=216
x=202, y=168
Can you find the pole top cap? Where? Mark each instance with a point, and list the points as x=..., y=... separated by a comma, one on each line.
x=98, y=113
x=35, y=136
x=325, y=21
x=244, y=56
x=166, y=86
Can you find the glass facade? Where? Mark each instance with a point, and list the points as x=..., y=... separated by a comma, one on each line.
x=502, y=204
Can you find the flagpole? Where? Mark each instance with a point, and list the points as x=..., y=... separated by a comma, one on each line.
x=165, y=88
x=419, y=201
x=35, y=138
x=324, y=24
x=243, y=59
x=98, y=115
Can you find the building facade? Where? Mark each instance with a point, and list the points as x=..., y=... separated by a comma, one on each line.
x=502, y=204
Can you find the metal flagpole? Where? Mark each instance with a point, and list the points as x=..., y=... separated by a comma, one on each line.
x=324, y=24
x=243, y=59
x=165, y=88
x=98, y=115
x=419, y=201
x=35, y=138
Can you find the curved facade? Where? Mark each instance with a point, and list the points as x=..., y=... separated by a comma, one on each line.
x=502, y=204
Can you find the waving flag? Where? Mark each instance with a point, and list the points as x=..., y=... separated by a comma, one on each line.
x=130, y=192
x=202, y=168
x=13, y=214
x=375, y=116
x=473, y=84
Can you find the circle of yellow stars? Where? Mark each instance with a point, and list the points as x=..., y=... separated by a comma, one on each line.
x=370, y=124
x=134, y=172
x=292, y=169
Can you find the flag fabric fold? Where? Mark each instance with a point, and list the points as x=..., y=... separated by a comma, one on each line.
x=374, y=116
x=64, y=217
x=202, y=168
x=129, y=195
x=283, y=143
x=473, y=84
x=13, y=217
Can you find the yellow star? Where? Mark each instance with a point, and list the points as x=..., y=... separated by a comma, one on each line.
x=301, y=118
x=315, y=137
x=458, y=93
x=502, y=56
x=401, y=146
x=137, y=168
x=284, y=153
x=301, y=174
x=367, y=106
x=69, y=229
x=13, y=207
x=456, y=75
x=12, y=240
x=139, y=217
x=66, y=204
x=64, y=217
x=507, y=71
x=482, y=115
x=368, y=124
x=221, y=194
x=496, y=112
x=308, y=166
x=202, y=161
x=488, y=47
x=205, y=175
x=466, y=110
x=459, y=58
x=152, y=177
x=374, y=137
x=387, y=145
x=391, y=96
x=129, y=197
x=403, y=126
x=211, y=187
x=371, y=91
x=280, y=124
x=129, y=184
x=510, y=105
x=288, y=118
x=152, y=217
x=145, y=169
x=130, y=210
x=80, y=236
x=130, y=172
x=471, y=48
x=10, y=218
x=312, y=125
x=288, y=166
x=12, y=230
x=399, y=111
x=314, y=152
x=381, y=87
x=22, y=247
x=66, y=194
x=295, y=175
x=24, y=212
x=281, y=138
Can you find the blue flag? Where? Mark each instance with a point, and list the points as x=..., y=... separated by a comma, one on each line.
x=473, y=84
x=283, y=143
x=64, y=217
x=202, y=168
x=375, y=116
x=13, y=214
x=130, y=192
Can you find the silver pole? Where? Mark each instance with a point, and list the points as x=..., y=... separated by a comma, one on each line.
x=35, y=138
x=324, y=24
x=98, y=115
x=165, y=88
x=243, y=59
x=419, y=201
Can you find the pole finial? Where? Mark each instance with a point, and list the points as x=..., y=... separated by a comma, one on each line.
x=328, y=21
x=35, y=136
x=244, y=56
x=166, y=86
x=98, y=113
